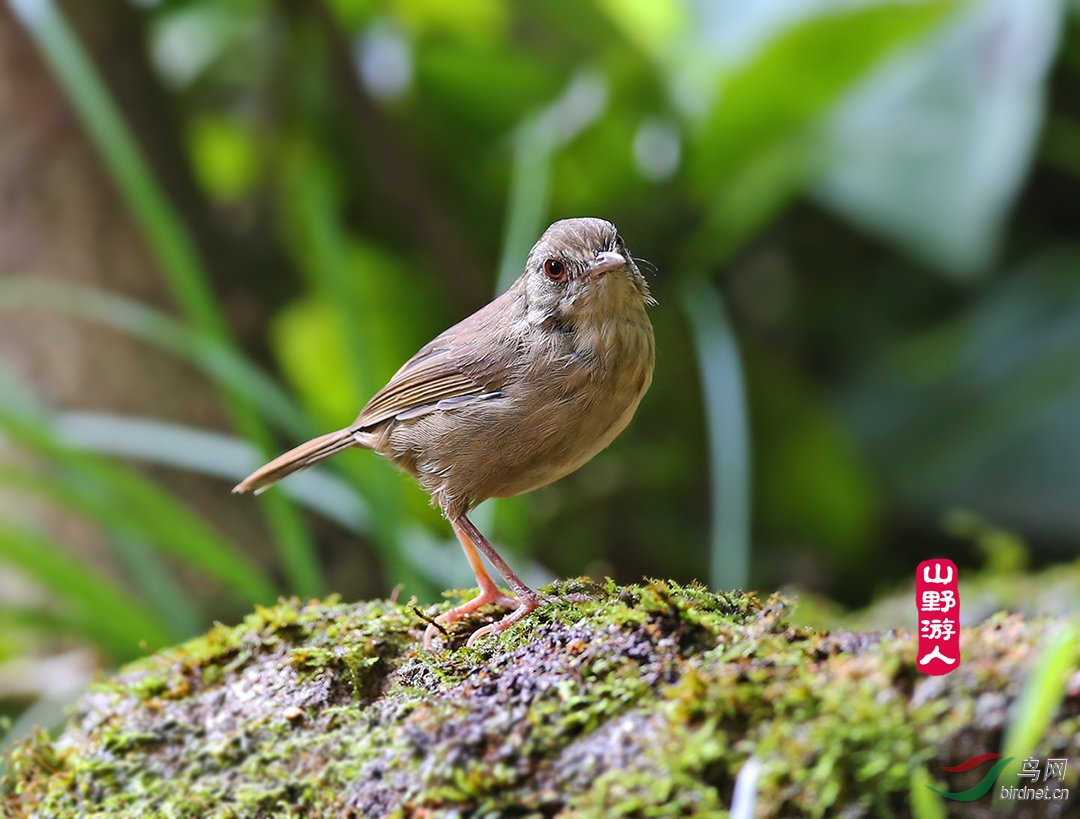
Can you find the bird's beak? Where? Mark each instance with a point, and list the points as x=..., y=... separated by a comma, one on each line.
x=607, y=261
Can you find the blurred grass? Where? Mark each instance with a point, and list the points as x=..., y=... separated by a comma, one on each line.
x=724, y=394
x=174, y=252
x=1039, y=699
x=117, y=496
x=93, y=606
x=322, y=250
x=218, y=359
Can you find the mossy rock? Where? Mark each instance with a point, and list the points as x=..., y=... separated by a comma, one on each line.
x=611, y=701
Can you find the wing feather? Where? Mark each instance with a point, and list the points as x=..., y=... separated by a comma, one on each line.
x=473, y=359
x=429, y=381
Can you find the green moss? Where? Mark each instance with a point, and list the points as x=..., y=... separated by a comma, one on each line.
x=608, y=701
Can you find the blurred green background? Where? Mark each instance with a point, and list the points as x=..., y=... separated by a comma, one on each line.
x=224, y=223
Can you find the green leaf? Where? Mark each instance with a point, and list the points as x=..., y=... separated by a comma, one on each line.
x=751, y=197
x=796, y=78
x=475, y=20
x=226, y=156
x=650, y=25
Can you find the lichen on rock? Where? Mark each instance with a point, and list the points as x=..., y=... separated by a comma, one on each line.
x=608, y=701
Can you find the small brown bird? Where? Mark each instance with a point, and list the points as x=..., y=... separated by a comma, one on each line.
x=519, y=394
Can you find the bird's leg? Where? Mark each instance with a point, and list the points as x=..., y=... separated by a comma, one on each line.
x=471, y=539
x=527, y=599
x=489, y=592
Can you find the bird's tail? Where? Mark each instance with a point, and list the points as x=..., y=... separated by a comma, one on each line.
x=296, y=459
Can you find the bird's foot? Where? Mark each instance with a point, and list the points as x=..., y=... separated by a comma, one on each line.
x=525, y=606
x=486, y=596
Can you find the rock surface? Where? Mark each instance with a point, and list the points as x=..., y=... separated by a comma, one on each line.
x=631, y=701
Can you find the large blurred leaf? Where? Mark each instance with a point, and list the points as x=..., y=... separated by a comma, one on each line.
x=982, y=410
x=207, y=453
x=931, y=151
x=797, y=76
x=224, y=456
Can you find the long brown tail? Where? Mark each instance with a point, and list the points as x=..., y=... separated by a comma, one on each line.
x=296, y=459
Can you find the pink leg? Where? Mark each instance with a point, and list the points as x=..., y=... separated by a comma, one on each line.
x=525, y=602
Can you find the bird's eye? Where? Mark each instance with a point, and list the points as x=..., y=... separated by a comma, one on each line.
x=555, y=269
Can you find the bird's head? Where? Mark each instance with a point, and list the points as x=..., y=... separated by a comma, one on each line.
x=579, y=269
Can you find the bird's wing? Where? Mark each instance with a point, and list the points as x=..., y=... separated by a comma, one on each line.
x=469, y=361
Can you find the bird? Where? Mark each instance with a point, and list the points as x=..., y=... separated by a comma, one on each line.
x=520, y=394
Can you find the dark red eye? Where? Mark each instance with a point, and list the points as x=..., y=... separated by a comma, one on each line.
x=554, y=269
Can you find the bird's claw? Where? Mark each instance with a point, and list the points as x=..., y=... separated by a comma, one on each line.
x=523, y=608
x=486, y=596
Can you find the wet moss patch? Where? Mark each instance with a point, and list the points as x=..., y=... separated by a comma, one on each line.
x=609, y=701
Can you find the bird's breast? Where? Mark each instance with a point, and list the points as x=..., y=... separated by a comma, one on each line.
x=569, y=396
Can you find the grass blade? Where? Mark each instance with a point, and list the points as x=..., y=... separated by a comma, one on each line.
x=925, y=804
x=208, y=453
x=227, y=457
x=166, y=234
x=1041, y=696
x=729, y=434
x=101, y=610
x=227, y=367
x=530, y=191
x=36, y=619
x=125, y=500
x=323, y=250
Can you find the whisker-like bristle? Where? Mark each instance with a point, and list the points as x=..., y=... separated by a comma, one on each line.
x=640, y=262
